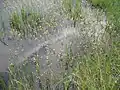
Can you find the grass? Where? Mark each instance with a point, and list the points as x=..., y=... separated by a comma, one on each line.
x=29, y=23
x=72, y=10
x=25, y=23
x=18, y=79
x=98, y=70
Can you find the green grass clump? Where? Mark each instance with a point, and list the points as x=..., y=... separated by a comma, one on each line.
x=25, y=23
x=72, y=9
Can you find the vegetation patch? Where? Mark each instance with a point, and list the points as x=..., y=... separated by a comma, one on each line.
x=97, y=70
x=72, y=9
x=28, y=23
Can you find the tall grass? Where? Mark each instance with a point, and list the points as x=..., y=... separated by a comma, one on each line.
x=26, y=24
x=72, y=9
x=98, y=70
